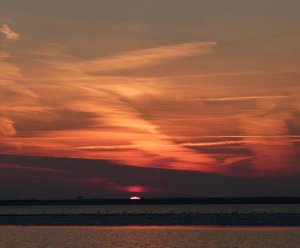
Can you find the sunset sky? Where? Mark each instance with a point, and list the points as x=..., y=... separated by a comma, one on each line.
x=161, y=98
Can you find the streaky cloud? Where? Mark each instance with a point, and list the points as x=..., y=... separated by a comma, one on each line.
x=9, y=33
x=7, y=127
x=240, y=98
x=147, y=57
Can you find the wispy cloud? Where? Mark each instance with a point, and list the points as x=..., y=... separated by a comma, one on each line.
x=29, y=168
x=235, y=74
x=7, y=127
x=271, y=144
x=147, y=57
x=104, y=98
x=240, y=98
x=9, y=33
x=142, y=121
x=191, y=144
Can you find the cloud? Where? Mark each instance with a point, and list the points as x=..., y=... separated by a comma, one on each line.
x=267, y=136
x=67, y=109
x=213, y=143
x=194, y=144
x=241, y=98
x=146, y=57
x=9, y=33
x=27, y=168
x=103, y=99
x=7, y=127
x=236, y=74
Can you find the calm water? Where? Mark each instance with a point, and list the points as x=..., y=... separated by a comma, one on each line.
x=152, y=237
x=152, y=209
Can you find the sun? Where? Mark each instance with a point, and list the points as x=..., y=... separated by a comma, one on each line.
x=135, y=198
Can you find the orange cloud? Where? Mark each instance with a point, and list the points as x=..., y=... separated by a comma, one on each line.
x=146, y=57
x=241, y=98
x=7, y=127
x=9, y=33
x=268, y=138
x=67, y=109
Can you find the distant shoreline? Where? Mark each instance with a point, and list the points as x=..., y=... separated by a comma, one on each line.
x=153, y=201
x=253, y=219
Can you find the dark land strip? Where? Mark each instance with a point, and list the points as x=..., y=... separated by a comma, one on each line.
x=234, y=219
x=153, y=201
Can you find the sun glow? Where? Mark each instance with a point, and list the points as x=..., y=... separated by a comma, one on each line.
x=135, y=198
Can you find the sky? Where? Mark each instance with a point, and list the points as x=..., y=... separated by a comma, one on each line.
x=165, y=98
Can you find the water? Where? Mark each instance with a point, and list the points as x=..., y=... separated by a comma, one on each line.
x=151, y=209
x=152, y=237
x=148, y=237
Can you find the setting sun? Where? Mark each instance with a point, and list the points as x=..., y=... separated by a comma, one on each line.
x=135, y=198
